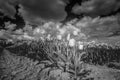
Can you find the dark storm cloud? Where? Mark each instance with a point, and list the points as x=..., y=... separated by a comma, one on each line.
x=8, y=7
x=97, y=7
x=35, y=10
x=44, y=9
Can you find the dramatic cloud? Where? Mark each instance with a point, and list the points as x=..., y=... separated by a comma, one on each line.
x=97, y=7
x=7, y=7
x=44, y=9
x=100, y=27
x=38, y=11
x=35, y=10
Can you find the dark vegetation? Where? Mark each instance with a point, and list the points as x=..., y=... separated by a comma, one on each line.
x=58, y=59
x=97, y=55
x=101, y=55
x=63, y=61
x=4, y=43
x=35, y=50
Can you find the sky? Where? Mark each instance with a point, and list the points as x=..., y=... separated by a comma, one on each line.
x=40, y=11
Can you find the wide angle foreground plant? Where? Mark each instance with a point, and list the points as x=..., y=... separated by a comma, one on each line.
x=60, y=61
x=64, y=63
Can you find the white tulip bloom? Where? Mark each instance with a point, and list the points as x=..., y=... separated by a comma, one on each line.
x=37, y=30
x=80, y=46
x=62, y=31
x=75, y=33
x=48, y=36
x=72, y=42
x=68, y=37
x=59, y=37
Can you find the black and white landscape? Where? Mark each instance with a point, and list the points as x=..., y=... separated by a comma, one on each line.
x=59, y=40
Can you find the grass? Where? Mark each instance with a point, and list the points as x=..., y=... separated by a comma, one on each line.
x=62, y=62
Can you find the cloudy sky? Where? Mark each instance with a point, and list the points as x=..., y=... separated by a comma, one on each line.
x=37, y=11
x=55, y=9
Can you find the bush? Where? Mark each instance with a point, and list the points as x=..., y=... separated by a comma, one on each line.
x=102, y=55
